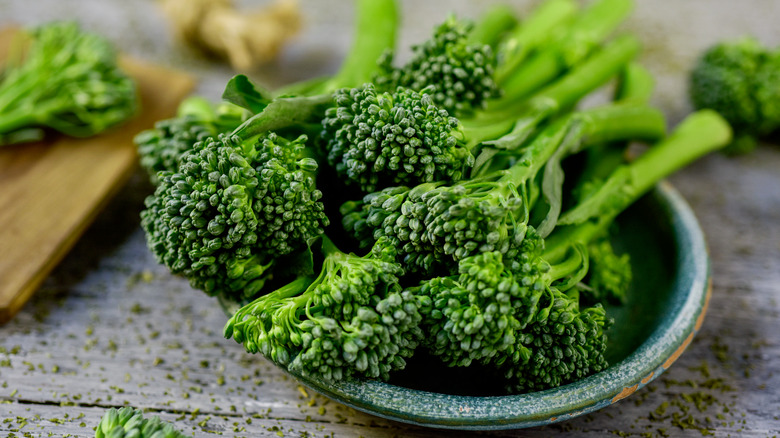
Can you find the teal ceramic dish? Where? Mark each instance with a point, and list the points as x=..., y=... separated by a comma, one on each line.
x=665, y=309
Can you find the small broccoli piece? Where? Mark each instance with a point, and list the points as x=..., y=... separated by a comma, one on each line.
x=161, y=147
x=460, y=72
x=738, y=80
x=231, y=208
x=128, y=422
x=376, y=139
x=68, y=80
x=352, y=319
x=434, y=225
x=376, y=26
x=477, y=314
x=610, y=274
x=563, y=343
x=379, y=139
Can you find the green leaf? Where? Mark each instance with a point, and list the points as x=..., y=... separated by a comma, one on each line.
x=284, y=112
x=242, y=92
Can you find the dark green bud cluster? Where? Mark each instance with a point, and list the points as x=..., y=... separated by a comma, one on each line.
x=231, y=208
x=609, y=274
x=380, y=139
x=560, y=345
x=738, y=79
x=434, y=225
x=352, y=320
x=461, y=73
x=130, y=423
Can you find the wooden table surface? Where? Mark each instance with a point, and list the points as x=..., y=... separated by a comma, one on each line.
x=111, y=327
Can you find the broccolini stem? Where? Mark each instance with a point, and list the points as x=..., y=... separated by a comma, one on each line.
x=636, y=84
x=566, y=91
x=11, y=121
x=701, y=133
x=533, y=32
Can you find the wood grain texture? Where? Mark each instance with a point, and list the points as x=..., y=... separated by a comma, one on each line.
x=51, y=191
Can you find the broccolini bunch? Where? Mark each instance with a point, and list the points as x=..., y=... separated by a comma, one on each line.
x=65, y=79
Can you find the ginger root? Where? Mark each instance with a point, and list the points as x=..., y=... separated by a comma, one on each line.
x=245, y=39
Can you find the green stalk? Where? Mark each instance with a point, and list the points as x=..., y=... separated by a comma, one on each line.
x=12, y=121
x=597, y=126
x=532, y=33
x=699, y=134
x=580, y=39
x=555, y=98
x=375, y=32
x=596, y=71
x=492, y=26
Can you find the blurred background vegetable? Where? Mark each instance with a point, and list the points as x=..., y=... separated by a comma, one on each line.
x=61, y=77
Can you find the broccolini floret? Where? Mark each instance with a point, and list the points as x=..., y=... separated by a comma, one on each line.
x=128, y=422
x=522, y=315
x=459, y=71
x=67, y=80
x=739, y=79
x=232, y=206
x=351, y=319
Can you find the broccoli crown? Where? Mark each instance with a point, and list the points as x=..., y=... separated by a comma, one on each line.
x=436, y=226
x=561, y=344
x=230, y=208
x=738, y=79
x=460, y=72
x=379, y=139
x=353, y=319
x=609, y=274
x=71, y=83
x=476, y=315
x=128, y=422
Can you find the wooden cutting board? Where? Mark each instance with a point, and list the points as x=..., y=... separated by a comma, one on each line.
x=51, y=191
